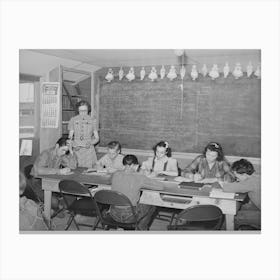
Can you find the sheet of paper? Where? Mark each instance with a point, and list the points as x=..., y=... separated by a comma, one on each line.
x=26, y=147
x=221, y=194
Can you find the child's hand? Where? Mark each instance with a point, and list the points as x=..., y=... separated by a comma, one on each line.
x=182, y=179
x=197, y=177
x=64, y=171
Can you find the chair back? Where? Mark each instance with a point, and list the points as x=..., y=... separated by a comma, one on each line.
x=200, y=214
x=72, y=187
x=112, y=198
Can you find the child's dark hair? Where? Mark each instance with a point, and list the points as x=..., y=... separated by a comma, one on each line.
x=215, y=147
x=63, y=141
x=115, y=144
x=83, y=103
x=129, y=160
x=243, y=166
x=165, y=145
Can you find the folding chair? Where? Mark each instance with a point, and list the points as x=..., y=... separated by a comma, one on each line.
x=114, y=198
x=199, y=217
x=81, y=205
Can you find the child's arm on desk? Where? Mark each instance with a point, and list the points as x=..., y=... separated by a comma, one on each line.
x=152, y=184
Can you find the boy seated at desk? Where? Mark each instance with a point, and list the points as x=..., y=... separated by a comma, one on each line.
x=247, y=181
x=130, y=182
x=59, y=159
x=112, y=160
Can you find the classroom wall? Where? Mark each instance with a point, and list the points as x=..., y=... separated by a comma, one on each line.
x=141, y=113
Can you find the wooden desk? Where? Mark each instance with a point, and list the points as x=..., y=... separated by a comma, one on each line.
x=174, y=197
x=50, y=184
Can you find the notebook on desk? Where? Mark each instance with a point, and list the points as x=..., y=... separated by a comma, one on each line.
x=191, y=185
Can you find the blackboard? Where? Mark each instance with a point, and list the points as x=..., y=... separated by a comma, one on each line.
x=141, y=113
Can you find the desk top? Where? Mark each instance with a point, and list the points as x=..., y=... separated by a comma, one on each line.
x=77, y=175
x=170, y=185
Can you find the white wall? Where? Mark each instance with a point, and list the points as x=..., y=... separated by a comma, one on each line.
x=38, y=64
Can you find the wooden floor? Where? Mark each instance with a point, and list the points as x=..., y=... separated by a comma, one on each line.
x=60, y=223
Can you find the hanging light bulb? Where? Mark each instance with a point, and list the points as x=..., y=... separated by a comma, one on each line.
x=179, y=52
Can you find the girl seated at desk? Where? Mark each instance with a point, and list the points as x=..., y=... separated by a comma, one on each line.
x=209, y=167
x=161, y=162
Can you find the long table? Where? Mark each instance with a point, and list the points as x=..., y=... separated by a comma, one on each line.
x=50, y=185
x=172, y=196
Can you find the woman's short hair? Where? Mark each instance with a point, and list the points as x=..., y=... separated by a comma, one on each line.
x=243, y=166
x=164, y=144
x=83, y=103
x=115, y=144
x=215, y=147
x=129, y=160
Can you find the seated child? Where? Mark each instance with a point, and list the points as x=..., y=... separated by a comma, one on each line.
x=209, y=167
x=30, y=215
x=130, y=182
x=112, y=161
x=59, y=159
x=247, y=181
x=161, y=162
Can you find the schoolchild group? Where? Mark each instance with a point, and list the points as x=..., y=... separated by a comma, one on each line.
x=129, y=176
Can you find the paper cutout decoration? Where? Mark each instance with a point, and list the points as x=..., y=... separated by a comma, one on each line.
x=162, y=72
x=110, y=75
x=249, y=69
x=26, y=147
x=153, y=75
x=258, y=72
x=172, y=73
x=214, y=73
x=194, y=73
x=226, y=70
x=204, y=70
x=142, y=74
x=237, y=72
x=121, y=74
x=130, y=76
x=182, y=72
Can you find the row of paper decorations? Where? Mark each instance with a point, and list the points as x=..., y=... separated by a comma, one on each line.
x=172, y=74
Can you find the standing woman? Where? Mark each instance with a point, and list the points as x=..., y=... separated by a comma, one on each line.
x=84, y=135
